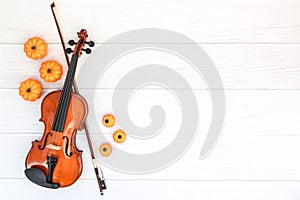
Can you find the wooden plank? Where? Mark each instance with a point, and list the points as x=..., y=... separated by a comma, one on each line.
x=248, y=112
x=234, y=21
x=240, y=66
x=148, y=190
x=255, y=46
x=234, y=158
x=17, y=67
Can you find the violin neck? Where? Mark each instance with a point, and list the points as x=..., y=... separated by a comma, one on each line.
x=62, y=109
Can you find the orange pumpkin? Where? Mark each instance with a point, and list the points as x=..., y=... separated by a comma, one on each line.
x=30, y=89
x=50, y=71
x=35, y=48
x=105, y=149
x=108, y=120
x=119, y=136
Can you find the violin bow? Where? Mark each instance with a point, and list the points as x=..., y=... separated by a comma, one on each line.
x=101, y=181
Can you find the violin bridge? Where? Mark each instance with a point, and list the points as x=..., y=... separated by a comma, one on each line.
x=54, y=147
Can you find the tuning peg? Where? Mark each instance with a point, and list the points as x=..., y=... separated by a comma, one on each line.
x=87, y=50
x=69, y=50
x=90, y=43
x=71, y=42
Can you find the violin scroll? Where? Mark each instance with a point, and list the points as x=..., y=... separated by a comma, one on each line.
x=82, y=35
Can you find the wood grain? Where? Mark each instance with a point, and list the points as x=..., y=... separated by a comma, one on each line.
x=244, y=158
x=216, y=21
x=177, y=190
x=242, y=66
x=248, y=112
x=255, y=46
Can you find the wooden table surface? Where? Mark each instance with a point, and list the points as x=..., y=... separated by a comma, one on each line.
x=255, y=46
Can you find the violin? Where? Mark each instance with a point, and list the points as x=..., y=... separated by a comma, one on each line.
x=55, y=161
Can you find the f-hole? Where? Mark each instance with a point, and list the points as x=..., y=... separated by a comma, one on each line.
x=67, y=146
x=39, y=146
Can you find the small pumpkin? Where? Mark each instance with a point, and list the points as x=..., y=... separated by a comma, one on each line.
x=30, y=89
x=51, y=71
x=119, y=136
x=105, y=149
x=35, y=48
x=108, y=120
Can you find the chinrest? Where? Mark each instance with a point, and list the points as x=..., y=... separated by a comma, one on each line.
x=38, y=177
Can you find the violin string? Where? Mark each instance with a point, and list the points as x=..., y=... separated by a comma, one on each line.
x=67, y=95
x=60, y=117
x=57, y=116
x=61, y=106
x=58, y=121
x=64, y=104
x=55, y=124
x=67, y=92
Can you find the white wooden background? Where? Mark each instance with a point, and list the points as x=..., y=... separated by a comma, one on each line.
x=255, y=46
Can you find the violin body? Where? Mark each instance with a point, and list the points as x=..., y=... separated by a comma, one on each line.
x=55, y=161
x=59, y=145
